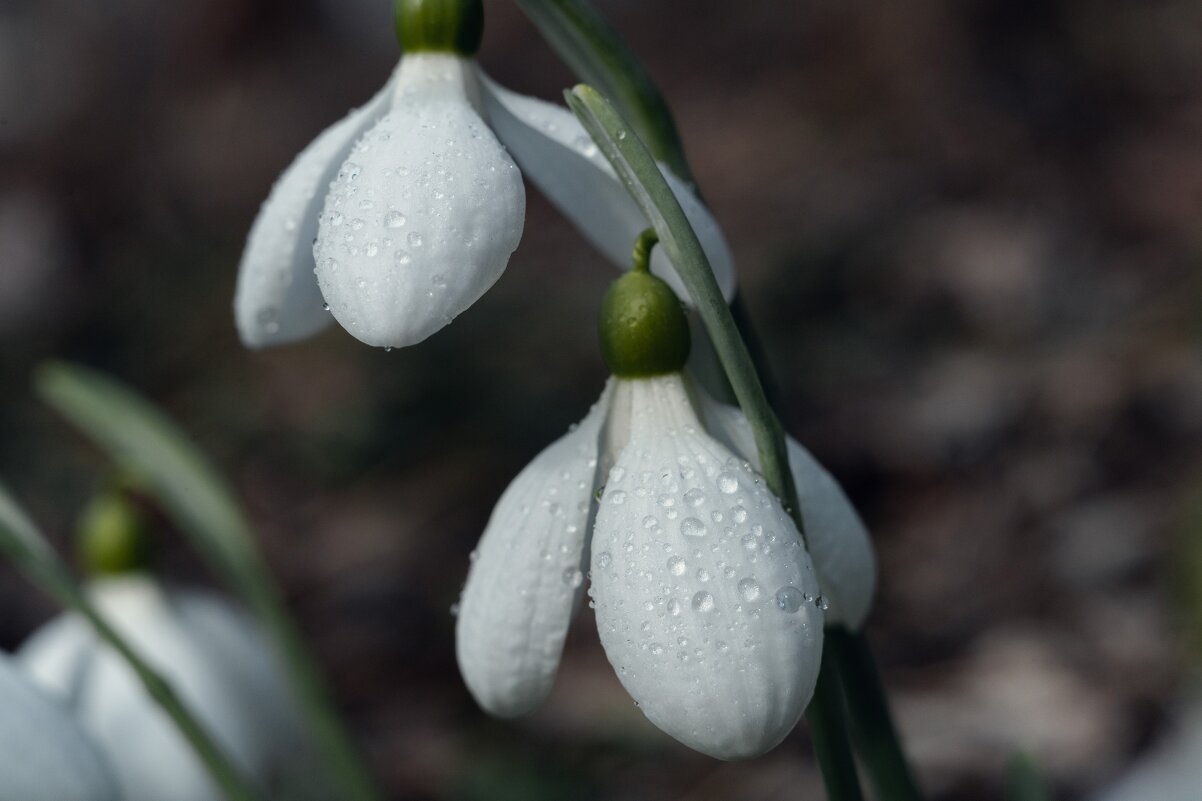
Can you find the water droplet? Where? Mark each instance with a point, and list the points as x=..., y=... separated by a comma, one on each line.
x=694, y=497
x=739, y=514
x=656, y=649
x=290, y=224
x=728, y=483
x=350, y=171
x=586, y=146
x=749, y=542
x=325, y=307
x=673, y=607
x=789, y=599
x=394, y=219
x=822, y=603
x=703, y=601
x=402, y=257
x=455, y=610
x=388, y=349
x=603, y=559
x=649, y=522
x=749, y=588
x=415, y=239
x=335, y=218
x=617, y=497
x=666, y=501
x=621, y=135
x=692, y=527
x=572, y=577
x=357, y=224
x=703, y=575
x=677, y=566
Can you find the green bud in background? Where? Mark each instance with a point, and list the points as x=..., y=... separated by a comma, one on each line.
x=643, y=327
x=440, y=26
x=111, y=536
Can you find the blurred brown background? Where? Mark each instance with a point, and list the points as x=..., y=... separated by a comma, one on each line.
x=968, y=234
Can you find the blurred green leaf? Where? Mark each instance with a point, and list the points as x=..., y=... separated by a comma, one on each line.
x=163, y=461
x=1024, y=781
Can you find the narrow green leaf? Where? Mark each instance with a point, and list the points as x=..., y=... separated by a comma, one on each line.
x=23, y=545
x=596, y=53
x=164, y=462
x=1024, y=781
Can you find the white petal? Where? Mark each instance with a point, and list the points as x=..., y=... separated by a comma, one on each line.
x=704, y=593
x=44, y=755
x=556, y=153
x=424, y=214
x=836, y=538
x=527, y=575
x=1172, y=768
x=204, y=648
x=277, y=299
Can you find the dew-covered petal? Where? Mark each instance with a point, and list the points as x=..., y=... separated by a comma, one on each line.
x=707, y=604
x=556, y=153
x=44, y=754
x=527, y=575
x=211, y=655
x=277, y=299
x=835, y=535
x=423, y=215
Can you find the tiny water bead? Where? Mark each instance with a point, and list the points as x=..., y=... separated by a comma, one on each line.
x=394, y=219
x=695, y=497
x=789, y=599
x=749, y=589
x=617, y=497
x=573, y=577
x=728, y=483
x=414, y=239
x=703, y=601
x=677, y=566
x=692, y=527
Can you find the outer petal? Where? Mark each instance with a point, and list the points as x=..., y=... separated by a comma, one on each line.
x=836, y=538
x=425, y=213
x=277, y=299
x=704, y=592
x=1172, y=770
x=526, y=575
x=44, y=755
x=557, y=154
x=202, y=646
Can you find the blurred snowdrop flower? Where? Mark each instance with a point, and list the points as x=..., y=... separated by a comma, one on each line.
x=409, y=208
x=213, y=656
x=707, y=603
x=44, y=755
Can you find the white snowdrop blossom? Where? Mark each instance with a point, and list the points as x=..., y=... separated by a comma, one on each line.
x=214, y=657
x=409, y=208
x=44, y=754
x=707, y=603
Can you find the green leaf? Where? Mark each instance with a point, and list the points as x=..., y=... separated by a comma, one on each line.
x=596, y=53
x=165, y=463
x=23, y=545
x=1024, y=781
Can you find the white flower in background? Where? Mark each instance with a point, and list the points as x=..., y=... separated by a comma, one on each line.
x=214, y=657
x=44, y=755
x=1172, y=768
x=409, y=208
x=706, y=601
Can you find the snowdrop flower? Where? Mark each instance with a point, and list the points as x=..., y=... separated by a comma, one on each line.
x=413, y=202
x=707, y=603
x=210, y=651
x=44, y=755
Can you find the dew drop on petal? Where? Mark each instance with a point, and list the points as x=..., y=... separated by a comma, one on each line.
x=394, y=219
x=694, y=497
x=692, y=527
x=572, y=577
x=603, y=559
x=703, y=601
x=673, y=607
x=677, y=566
x=617, y=497
x=414, y=239
x=728, y=483
x=749, y=588
x=789, y=599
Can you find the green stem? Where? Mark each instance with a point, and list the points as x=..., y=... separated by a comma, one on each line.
x=827, y=717
x=872, y=726
x=23, y=545
x=598, y=55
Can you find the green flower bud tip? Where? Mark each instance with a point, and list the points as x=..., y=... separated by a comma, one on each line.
x=440, y=26
x=643, y=327
x=111, y=537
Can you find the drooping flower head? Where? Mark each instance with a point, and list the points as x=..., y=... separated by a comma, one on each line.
x=210, y=651
x=707, y=602
x=409, y=208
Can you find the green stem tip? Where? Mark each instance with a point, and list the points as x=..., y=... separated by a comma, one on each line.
x=440, y=26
